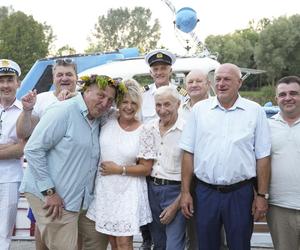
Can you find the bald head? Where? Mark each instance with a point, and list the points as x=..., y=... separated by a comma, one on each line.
x=229, y=67
x=227, y=81
x=197, y=85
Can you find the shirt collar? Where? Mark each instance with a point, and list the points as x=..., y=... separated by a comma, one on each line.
x=153, y=88
x=187, y=104
x=239, y=104
x=179, y=124
x=278, y=117
x=16, y=104
x=82, y=106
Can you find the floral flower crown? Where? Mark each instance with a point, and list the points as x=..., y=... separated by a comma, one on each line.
x=103, y=81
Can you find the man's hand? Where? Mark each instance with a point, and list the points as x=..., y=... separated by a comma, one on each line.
x=186, y=203
x=168, y=214
x=109, y=168
x=29, y=100
x=54, y=204
x=65, y=94
x=259, y=208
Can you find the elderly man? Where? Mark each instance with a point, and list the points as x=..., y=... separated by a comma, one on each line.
x=226, y=144
x=197, y=86
x=160, y=62
x=62, y=155
x=284, y=212
x=11, y=149
x=168, y=226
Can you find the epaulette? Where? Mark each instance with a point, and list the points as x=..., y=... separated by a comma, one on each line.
x=181, y=91
x=145, y=88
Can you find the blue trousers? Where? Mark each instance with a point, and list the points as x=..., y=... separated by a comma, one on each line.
x=171, y=236
x=232, y=209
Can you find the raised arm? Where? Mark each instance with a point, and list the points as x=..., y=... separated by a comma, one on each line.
x=26, y=121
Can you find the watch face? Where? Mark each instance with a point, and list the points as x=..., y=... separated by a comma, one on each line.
x=50, y=191
x=267, y=196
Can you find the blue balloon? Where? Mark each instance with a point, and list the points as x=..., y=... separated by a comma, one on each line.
x=186, y=19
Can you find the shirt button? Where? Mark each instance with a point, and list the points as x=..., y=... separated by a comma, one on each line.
x=161, y=143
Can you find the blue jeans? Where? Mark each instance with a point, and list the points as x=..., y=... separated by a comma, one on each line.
x=233, y=210
x=171, y=236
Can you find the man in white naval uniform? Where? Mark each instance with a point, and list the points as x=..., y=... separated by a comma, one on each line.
x=160, y=62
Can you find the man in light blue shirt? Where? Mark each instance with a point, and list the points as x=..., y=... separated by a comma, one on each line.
x=226, y=144
x=62, y=155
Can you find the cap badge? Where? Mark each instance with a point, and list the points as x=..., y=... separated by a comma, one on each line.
x=159, y=55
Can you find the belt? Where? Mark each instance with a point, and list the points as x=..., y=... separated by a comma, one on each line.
x=227, y=188
x=158, y=181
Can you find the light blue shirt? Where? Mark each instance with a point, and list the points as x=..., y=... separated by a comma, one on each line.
x=226, y=143
x=63, y=152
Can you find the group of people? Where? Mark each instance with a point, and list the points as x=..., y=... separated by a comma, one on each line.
x=111, y=159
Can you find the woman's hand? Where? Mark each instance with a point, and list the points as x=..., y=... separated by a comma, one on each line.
x=109, y=168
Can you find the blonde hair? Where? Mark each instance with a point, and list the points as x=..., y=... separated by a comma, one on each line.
x=133, y=91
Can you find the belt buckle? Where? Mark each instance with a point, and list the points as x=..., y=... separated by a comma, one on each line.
x=222, y=189
x=155, y=182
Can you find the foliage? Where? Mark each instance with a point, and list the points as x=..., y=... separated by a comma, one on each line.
x=237, y=48
x=125, y=28
x=65, y=50
x=262, y=96
x=278, y=49
x=23, y=39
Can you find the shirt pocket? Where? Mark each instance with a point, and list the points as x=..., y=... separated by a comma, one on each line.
x=172, y=163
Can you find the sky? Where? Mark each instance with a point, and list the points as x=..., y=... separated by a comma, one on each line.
x=73, y=21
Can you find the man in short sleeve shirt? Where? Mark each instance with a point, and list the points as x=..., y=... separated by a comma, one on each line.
x=226, y=147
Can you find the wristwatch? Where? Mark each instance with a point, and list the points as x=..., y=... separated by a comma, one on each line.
x=48, y=192
x=265, y=196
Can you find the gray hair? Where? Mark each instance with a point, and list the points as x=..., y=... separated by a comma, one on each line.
x=167, y=91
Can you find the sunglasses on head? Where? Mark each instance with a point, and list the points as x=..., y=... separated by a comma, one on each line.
x=64, y=61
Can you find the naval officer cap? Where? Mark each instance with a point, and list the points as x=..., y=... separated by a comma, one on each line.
x=9, y=67
x=160, y=55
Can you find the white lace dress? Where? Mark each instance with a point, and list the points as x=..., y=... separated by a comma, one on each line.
x=121, y=203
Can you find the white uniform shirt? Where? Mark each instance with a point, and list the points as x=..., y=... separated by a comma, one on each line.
x=185, y=109
x=285, y=155
x=169, y=155
x=43, y=101
x=11, y=169
x=226, y=143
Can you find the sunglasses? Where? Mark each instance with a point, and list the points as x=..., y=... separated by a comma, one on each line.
x=62, y=61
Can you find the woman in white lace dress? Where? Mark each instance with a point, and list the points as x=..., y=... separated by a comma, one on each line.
x=121, y=203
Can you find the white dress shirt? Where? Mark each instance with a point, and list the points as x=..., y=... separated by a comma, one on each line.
x=169, y=155
x=226, y=143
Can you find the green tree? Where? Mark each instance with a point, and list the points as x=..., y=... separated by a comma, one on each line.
x=23, y=39
x=278, y=48
x=65, y=50
x=122, y=28
x=237, y=48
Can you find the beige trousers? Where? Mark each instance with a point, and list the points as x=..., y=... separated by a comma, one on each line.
x=58, y=234
x=284, y=224
x=91, y=239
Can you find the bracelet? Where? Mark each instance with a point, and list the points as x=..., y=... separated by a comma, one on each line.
x=124, y=171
